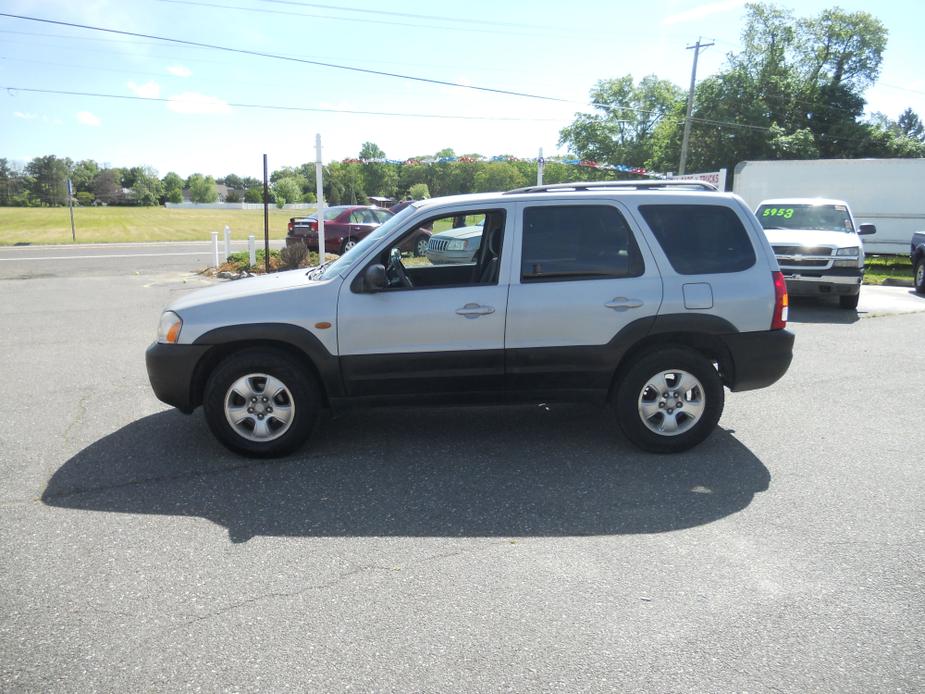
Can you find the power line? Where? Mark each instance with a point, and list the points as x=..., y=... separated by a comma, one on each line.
x=11, y=90
x=287, y=58
x=405, y=14
x=352, y=20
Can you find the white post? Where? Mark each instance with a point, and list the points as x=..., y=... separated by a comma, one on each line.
x=215, y=262
x=252, y=250
x=319, y=191
x=540, y=163
x=227, y=241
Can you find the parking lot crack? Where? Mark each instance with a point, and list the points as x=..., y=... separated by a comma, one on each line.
x=78, y=418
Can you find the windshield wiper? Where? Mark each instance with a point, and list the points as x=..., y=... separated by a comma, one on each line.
x=317, y=272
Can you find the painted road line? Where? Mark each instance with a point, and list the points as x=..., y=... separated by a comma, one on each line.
x=96, y=257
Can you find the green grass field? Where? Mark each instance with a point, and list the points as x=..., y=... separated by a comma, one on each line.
x=48, y=225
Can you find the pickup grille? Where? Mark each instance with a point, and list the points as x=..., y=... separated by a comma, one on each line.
x=804, y=256
x=437, y=244
x=802, y=250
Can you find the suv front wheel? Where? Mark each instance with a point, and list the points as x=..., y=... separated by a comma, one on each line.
x=260, y=403
x=669, y=400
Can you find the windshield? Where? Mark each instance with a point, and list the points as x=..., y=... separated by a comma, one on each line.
x=811, y=217
x=342, y=264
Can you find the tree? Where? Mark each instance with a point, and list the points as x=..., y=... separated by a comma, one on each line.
x=254, y=195
x=287, y=189
x=12, y=185
x=911, y=126
x=48, y=176
x=147, y=187
x=498, y=175
x=202, y=188
x=343, y=184
x=172, y=186
x=627, y=115
x=107, y=186
x=795, y=89
x=370, y=150
x=85, y=171
x=419, y=191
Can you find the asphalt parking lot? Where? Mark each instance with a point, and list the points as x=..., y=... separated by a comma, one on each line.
x=482, y=549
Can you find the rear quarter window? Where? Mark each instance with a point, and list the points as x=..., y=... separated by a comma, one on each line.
x=573, y=242
x=700, y=239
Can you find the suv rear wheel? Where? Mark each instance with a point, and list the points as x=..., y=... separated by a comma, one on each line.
x=669, y=400
x=260, y=403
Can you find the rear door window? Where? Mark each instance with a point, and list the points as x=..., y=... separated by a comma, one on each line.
x=700, y=239
x=571, y=242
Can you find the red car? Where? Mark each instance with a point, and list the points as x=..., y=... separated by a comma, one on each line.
x=344, y=225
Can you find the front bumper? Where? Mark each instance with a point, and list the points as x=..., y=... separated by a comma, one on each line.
x=758, y=358
x=171, y=370
x=840, y=281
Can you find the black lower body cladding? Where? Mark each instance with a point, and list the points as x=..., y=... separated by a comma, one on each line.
x=758, y=358
x=171, y=369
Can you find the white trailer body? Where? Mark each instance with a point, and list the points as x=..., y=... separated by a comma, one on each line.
x=889, y=193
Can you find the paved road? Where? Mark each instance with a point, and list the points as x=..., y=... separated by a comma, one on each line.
x=444, y=550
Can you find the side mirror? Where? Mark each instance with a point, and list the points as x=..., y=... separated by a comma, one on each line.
x=375, y=278
x=866, y=229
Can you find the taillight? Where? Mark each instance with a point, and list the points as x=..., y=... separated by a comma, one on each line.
x=781, y=302
x=313, y=224
x=290, y=227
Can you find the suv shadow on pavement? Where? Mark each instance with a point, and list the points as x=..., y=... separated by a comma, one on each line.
x=457, y=472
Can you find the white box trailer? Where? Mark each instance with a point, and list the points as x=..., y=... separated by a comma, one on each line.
x=889, y=193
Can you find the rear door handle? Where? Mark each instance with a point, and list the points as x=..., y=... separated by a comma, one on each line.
x=621, y=303
x=475, y=310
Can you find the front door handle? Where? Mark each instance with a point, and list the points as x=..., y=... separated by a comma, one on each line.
x=475, y=310
x=621, y=303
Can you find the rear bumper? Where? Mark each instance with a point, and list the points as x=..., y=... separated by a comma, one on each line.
x=758, y=358
x=171, y=369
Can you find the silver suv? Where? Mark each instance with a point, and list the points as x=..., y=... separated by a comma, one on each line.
x=651, y=296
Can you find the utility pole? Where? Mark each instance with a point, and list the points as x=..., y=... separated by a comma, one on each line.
x=690, y=105
x=319, y=194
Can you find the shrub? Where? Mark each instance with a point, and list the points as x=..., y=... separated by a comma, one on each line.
x=293, y=255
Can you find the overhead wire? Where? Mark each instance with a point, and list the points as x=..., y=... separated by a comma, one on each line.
x=352, y=20
x=11, y=90
x=288, y=58
x=196, y=44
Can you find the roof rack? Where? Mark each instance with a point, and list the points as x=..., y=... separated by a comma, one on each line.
x=633, y=185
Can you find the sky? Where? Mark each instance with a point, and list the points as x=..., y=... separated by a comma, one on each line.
x=201, y=121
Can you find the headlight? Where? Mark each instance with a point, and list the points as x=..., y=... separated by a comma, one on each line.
x=168, y=331
x=456, y=245
x=853, y=250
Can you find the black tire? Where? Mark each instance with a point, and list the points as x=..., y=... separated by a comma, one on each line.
x=347, y=245
x=303, y=396
x=420, y=245
x=633, y=390
x=919, y=275
x=849, y=301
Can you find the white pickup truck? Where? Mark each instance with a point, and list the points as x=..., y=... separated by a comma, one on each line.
x=817, y=245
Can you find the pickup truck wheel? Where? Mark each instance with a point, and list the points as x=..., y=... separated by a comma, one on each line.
x=849, y=300
x=260, y=403
x=919, y=275
x=420, y=245
x=669, y=400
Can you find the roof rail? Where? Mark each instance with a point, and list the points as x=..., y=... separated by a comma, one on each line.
x=633, y=185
